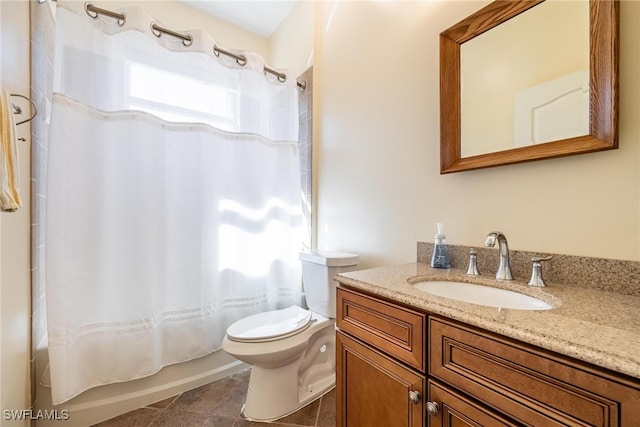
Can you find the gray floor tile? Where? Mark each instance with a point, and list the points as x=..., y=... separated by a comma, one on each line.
x=218, y=404
x=305, y=416
x=139, y=418
x=191, y=419
x=327, y=413
x=162, y=404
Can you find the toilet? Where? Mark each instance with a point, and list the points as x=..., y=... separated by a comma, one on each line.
x=292, y=351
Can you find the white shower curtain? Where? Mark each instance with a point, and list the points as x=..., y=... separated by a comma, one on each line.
x=173, y=198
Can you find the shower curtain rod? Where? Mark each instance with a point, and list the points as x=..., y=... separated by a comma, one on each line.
x=187, y=40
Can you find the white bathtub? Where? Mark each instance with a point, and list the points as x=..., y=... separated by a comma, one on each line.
x=108, y=401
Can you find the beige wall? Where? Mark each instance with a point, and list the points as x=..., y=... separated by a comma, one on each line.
x=291, y=45
x=15, y=268
x=378, y=187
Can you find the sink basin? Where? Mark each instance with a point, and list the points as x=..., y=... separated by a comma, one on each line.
x=482, y=295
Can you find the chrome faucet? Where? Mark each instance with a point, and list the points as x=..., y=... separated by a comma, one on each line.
x=504, y=269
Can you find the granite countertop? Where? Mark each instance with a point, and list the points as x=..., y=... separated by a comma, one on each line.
x=599, y=327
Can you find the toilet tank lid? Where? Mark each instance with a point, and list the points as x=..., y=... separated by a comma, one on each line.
x=329, y=258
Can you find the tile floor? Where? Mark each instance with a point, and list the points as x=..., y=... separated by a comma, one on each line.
x=218, y=405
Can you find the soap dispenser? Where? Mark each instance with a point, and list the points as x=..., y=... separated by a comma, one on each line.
x=440, y=257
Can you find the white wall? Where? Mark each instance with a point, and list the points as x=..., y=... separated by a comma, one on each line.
x=15, y=268
x=378, y=187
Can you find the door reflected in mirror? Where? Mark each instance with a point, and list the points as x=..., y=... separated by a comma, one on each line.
x=526, y=81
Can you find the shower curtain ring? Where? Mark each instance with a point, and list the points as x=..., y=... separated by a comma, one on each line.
x=89, y=11
x=240, y=59
x=94, y=11
x=155, y=31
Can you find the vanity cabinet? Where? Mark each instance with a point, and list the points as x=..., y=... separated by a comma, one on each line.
x=380, y=362
x=529, y=385
x=397, y=366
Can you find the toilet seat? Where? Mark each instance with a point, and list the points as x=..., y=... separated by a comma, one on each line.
x=270, y=325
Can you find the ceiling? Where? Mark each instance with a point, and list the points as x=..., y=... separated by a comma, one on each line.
x=261, y=17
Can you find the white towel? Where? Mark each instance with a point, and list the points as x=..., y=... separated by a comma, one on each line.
x=9, y=170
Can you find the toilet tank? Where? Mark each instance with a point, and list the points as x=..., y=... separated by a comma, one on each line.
x=318, y=270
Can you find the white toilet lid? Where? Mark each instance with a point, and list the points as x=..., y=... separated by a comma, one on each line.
x=270, y=324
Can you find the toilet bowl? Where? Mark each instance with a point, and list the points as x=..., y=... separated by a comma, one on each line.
x=291, y=351
x=287, y=371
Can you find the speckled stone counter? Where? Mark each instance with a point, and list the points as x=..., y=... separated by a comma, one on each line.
x=592, y=325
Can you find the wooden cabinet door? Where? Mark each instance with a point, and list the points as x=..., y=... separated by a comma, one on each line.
x=373, y=389
x=456, y=410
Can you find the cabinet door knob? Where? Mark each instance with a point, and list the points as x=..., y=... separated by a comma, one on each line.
x=432, y=408
x=414, y=397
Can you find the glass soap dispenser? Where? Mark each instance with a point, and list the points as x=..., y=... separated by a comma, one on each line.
x=440, y=257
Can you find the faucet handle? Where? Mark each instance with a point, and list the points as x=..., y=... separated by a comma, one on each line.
x=472, y=270
x=536, y=272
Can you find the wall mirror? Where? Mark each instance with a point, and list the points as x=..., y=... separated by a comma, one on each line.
x=524, y=80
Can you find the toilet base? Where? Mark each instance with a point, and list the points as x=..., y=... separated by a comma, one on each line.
x=274, y=393
x=257, y=408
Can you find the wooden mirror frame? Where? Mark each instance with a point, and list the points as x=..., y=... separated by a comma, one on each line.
x=603, y=87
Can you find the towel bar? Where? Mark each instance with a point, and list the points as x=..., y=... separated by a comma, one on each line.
x=18, y=110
